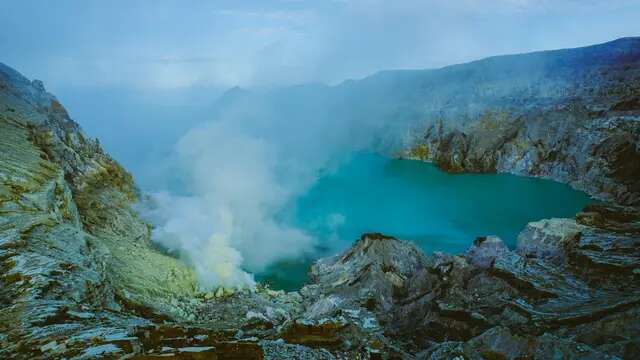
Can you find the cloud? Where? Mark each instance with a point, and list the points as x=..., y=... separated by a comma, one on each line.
x=256, y=43
x=228, y=226
x=261, y=151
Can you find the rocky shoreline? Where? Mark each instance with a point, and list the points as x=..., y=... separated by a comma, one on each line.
x=576, y=120
x=79, y=277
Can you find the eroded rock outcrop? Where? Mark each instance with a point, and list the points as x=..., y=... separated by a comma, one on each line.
x=572, y=299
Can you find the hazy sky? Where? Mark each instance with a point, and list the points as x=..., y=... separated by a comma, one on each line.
x=165, y=45
x=139, y=74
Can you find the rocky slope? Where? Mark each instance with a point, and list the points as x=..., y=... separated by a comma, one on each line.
x=569, y=290
x=569, y=115
x=79, y=277
x=70, y=246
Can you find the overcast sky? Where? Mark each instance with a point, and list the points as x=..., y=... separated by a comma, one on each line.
x=165, y=45
x=139, y=74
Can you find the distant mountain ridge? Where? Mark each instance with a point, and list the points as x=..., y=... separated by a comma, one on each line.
x=562, y=64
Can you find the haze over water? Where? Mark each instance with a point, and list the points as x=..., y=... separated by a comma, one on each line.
x=416, y=201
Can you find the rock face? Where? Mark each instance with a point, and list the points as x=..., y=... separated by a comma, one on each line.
x=80, y=279
x=377, y=266
x=570, y=290
x=572, y=117
x=72, y=252
x=568, y=293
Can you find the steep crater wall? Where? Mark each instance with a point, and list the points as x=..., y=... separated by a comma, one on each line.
x=573, y=119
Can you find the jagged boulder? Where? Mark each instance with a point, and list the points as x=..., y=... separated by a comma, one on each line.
x=485, y=250
x=610, y=217
x=500, y=343
x=370, y=272
x=548, y=239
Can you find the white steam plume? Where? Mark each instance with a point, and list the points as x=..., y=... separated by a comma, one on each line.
x=242, y=168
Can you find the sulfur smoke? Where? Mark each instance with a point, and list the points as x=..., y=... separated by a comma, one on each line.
x=259, y=152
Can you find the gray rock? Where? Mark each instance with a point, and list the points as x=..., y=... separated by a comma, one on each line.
x=485, y=250
x=370, y=272
x=547, y=239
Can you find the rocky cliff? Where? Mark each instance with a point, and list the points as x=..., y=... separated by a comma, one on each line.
x=79, y=277
x=70, y=246
x=568, y=115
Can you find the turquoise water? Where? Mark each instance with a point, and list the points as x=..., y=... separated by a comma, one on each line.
x=416, y=201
